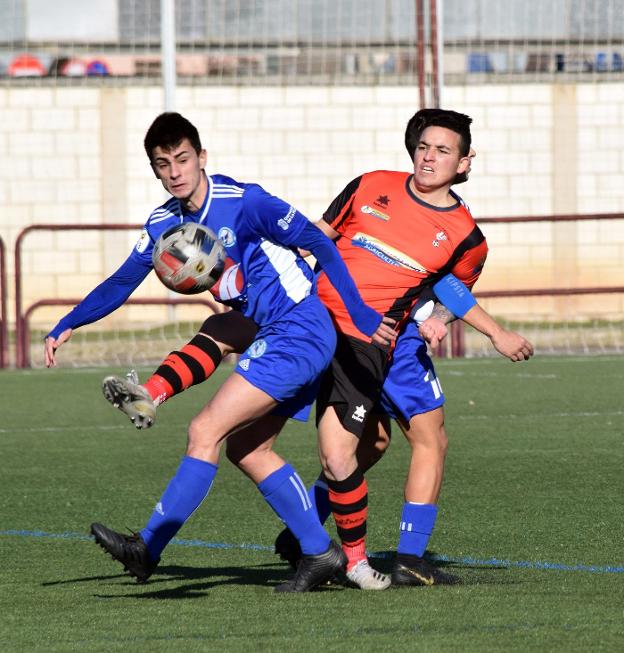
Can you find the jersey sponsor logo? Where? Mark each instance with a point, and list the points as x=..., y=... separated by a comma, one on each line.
x=359, y=413
x=369, y=210
x=257, y=348
x=227, y=236
x=143, y=242
x=386, y=252
x=284, y=222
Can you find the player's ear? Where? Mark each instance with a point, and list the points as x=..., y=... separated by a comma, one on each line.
x=203, y=157
x=464, y=164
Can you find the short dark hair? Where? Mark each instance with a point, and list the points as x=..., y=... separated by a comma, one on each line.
x=168, y=130
x=457, y=122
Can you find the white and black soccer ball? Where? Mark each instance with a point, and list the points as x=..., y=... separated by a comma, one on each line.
x=189, y=258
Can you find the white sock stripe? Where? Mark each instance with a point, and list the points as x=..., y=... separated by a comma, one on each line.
x=302, y=495
x=407, y=526
x=305, y=490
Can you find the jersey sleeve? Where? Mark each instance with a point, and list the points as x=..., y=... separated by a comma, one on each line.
x=339, y=211
x=469, y=266
x=106, y=297
x=272, y=218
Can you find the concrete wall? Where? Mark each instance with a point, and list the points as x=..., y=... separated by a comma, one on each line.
x=74, y=155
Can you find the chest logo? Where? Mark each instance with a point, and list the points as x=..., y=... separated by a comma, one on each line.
x=382, y=200
x=227, y=236
x=369, y=210
x=439, y=236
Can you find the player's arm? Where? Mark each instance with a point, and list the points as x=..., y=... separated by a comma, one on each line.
x=101, y=301
x=454, y=292
x=285, y=225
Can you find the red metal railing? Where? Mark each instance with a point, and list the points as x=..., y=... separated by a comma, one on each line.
x=457, y=335
x=22, y=334
x=72, y=302
x=4, y=326
x=457, y=331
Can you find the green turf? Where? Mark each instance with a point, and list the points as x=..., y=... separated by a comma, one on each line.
x=534, y=481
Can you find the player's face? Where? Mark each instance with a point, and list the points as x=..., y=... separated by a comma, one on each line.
x=438, y=159
x=180, y=171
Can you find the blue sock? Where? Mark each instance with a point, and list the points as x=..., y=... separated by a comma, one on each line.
x=186, y=490
x=417, y=523
x=284, y=491
x=319, y=496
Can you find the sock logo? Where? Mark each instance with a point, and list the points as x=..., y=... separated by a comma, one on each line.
x=159, y=508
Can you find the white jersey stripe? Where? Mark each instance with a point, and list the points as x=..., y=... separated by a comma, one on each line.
x=292, y=278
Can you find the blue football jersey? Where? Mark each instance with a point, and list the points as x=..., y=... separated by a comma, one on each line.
x=265, y=276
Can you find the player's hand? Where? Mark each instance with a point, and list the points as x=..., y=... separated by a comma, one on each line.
x=385, y=333
x=512, y=345
x=433, y=330
x=52, y=344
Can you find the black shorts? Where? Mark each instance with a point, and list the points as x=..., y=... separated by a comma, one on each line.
x=353, y=382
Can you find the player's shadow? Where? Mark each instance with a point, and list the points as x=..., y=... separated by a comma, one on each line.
x=469, y=573
x=194, y=582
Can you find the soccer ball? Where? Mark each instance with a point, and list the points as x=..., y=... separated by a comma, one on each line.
x=188, y=258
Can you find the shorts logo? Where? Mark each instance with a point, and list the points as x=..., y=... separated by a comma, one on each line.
x=284, y=222
x=257, y=348
x=359, y=413
x=369, y=210
x=244, y=364
x=227, y=236
x=143, y=242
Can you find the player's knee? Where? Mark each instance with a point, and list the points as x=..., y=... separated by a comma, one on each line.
x=338, y=465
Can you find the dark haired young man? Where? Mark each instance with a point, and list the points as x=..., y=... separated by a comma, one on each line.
x=278, y=375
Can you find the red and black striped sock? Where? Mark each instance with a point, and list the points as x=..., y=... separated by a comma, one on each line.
x=194, y=363
x=349, y=503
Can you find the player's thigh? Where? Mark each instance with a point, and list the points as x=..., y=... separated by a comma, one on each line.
x=236, y=404
x=337, y=446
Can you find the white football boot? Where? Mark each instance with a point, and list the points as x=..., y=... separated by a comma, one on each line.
x=131, y=398
x=367, y=578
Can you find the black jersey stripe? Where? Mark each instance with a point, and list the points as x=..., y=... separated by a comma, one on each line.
x=404, y=302
x=343, y=199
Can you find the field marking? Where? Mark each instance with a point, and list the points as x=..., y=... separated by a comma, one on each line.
x=465, y=560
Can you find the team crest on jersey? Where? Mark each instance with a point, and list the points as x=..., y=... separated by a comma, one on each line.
x=143, y=242
x=382, y=200
x=439, y=236
x=257, y=348
x=369, y=210
x=386, y=252
x=227, y=236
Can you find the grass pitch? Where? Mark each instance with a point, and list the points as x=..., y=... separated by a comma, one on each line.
x=531, y=518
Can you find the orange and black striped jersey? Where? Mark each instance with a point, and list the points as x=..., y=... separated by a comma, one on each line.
x=395, y=245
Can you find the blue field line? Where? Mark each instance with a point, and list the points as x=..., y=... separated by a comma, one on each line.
x=465, y=560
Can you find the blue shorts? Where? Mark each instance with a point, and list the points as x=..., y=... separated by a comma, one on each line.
x=411, y=386
x=287, y=358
